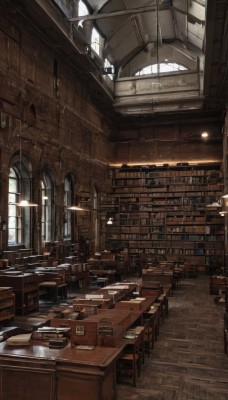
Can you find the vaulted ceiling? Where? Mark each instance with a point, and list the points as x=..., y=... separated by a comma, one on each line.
x=192, y=33
x=138, y=33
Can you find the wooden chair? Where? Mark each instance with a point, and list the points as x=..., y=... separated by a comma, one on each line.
x=163, y=300
x=129, y=363
x=149, y=333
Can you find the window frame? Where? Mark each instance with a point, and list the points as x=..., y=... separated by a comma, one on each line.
x=22, y=216
x=48, y=207
x=68, y=201
x=159, y=68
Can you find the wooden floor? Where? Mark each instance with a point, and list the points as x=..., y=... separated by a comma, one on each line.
x=188, y=362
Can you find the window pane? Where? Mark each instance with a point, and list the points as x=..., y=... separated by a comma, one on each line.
x=82, y=9
x=47, y=208
x=161, y=67
x=95, y=41
x=67, y=203
x=14, y=219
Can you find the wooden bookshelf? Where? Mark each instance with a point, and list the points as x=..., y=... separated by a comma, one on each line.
x=25, y=288
x=7, y=304
x=162, y=212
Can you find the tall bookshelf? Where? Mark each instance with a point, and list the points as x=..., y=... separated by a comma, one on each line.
x=161, y=211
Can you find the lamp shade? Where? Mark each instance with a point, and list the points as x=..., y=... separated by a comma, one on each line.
x=214, y=204
x=76, y=208
x=26, y=203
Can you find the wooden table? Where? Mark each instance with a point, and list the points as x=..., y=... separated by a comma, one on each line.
x=111, y=274
x=37, y=372
x=119, y=290
x=136, y=305
x=121, y=320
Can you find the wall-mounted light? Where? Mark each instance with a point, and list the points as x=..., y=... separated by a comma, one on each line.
x=204, y=135
x=110, y=221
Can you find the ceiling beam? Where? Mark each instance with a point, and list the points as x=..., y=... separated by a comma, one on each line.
x=139, y=10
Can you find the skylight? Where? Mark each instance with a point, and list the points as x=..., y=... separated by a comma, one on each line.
x=95, y=41
x=161, y=68
x=82, y=9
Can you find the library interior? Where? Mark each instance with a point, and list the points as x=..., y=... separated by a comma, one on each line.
x=114, y=199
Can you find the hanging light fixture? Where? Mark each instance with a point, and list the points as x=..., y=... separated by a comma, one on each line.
x=77, y=208
x=215, y=204
x=26, y=203
x=110, y=221
x=23, y=202
x=222, y=213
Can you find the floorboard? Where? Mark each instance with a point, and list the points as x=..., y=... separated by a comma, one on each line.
x=188, y=361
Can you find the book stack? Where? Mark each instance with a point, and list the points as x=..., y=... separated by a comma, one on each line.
x=19, y=340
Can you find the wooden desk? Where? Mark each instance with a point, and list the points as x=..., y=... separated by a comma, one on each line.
x=103, y=263
x=151, y=288
x=122, y=290
x=111, y=274
x=105, y=302
x=32, y=322
x=121, y=321
x=25, y=287
x=134, y=305
x=52, y=290
x=37, y=372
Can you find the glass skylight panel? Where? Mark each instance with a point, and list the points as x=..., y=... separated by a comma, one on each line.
x=162, y=67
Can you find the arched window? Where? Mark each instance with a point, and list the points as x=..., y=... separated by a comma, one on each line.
x=19, y=218
x=82, y=9
x=96, y=41
x=163, y=67
x=48, y=210
x=95, y=219
x=68, y=201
